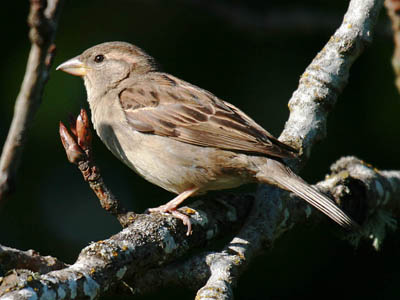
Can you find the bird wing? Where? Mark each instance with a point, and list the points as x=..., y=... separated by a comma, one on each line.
x=167, y=106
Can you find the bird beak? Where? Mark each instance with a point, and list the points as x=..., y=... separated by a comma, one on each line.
x=74, y=66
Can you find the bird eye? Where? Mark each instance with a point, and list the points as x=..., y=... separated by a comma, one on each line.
x=99, y=58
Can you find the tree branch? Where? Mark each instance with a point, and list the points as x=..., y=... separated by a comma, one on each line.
x=16, y=259
x=150, y=241
x=43, y=19
x=319, y=86
x=78, y=147
x=327, y=75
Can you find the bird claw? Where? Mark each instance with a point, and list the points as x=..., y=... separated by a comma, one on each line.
x=175, y=213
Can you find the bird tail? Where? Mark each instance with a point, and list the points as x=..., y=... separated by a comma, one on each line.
x=279, y=174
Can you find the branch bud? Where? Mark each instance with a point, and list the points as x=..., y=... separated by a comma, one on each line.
x=72, y=149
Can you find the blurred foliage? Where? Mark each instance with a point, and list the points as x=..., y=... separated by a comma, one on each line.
x=54, y=212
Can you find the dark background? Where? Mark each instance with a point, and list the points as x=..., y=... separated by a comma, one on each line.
x=256, y=68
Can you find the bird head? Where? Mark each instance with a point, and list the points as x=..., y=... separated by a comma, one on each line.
x=105, y=65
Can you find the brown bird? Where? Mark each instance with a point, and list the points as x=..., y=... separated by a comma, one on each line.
x=179, y=136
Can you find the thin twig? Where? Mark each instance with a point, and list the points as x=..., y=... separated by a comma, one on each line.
x=43, y=19
x=78, y=147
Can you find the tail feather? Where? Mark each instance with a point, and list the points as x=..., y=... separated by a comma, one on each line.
x=287, y=180
x=319, y=201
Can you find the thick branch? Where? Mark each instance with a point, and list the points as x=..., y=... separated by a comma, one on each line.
x=16, y=259
x=150, y=241
x=43, y=18
x=327, y=75
x=321, y=83
x=376, y=191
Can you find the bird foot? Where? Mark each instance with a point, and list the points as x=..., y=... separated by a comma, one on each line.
x=174, y=212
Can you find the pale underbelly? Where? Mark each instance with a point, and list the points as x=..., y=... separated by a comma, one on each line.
x=176, y=166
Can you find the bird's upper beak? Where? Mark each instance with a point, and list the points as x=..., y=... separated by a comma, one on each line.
x=74, y=66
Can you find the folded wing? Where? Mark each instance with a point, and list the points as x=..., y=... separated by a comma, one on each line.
x=167, y=106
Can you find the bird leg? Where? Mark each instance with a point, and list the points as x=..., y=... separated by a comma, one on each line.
x=171, y=208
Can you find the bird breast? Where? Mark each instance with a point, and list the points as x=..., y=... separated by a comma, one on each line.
x=170, y=164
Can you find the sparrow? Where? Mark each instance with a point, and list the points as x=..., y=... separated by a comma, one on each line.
x=179, y=136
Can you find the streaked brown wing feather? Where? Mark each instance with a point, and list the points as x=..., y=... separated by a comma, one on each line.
x=167, y=106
